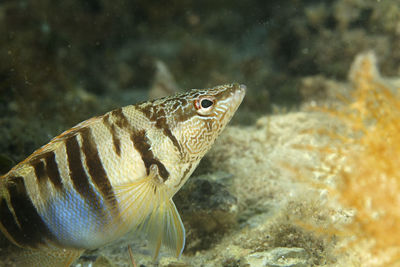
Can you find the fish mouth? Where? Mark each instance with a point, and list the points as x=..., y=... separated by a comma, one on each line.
x=239, y=94
x=241, y=91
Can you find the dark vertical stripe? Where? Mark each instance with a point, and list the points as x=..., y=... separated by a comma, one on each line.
x=115, y=138
x=120, y=119
x=116, y=141
x=52, y=169
x=159, y=117
x=32, y=231
x=78, y=175
x=95, y=167
x=40, y=172
x=49, y=171
x=142, y=145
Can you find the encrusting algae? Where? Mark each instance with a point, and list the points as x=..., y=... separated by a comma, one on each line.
x=365, y=162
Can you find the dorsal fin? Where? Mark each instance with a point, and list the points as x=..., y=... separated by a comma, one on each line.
x=55, y=142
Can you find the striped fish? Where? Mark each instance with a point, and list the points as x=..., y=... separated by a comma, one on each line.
x=110, y=175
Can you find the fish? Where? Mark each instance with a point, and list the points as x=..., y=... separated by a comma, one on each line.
x=111, y=175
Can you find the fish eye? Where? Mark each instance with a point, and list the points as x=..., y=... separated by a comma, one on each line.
x=204, y=105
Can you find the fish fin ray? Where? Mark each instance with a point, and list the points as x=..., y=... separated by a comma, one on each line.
x=138, y=199
x=164, y=227
x=145, y=206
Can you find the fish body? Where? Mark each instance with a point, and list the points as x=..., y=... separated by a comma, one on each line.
x=112, y=174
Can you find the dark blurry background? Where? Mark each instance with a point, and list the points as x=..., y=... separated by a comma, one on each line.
x=64, y=61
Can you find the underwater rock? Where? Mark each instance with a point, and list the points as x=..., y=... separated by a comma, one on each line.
x=164, y=83
x=102, y=262
x=125, y=74
x=208, y=209
x=277, y=257
x=173, y=262
x=319, y=89
x=347, y=26
x=366, y=64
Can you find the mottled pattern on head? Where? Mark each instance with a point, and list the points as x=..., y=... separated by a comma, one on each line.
x=194, y=127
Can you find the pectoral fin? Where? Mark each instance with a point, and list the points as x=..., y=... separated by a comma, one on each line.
x=145, y=205
x=165, y=227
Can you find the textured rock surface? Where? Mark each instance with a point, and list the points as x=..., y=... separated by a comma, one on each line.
x=209, y=211
x=277, y=257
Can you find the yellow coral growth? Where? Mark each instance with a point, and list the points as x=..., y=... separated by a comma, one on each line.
x=369, y=180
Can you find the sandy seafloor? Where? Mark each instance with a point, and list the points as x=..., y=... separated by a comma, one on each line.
x=256, y=198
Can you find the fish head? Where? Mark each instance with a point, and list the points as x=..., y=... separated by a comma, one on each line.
x=198, y=116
